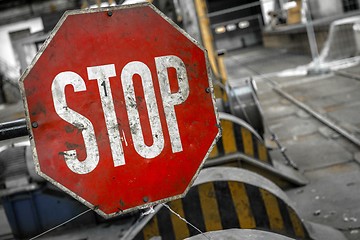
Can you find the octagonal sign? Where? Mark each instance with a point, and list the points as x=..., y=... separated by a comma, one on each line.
x=120, y=108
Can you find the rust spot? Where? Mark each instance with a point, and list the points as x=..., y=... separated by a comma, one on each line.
x=69, y=128
x=72, y=145
x=52, y=57
x=333, y=108
x=139, y=99
x=79, y=126
x=99, y=137
x=39, y=108
x=30, y=91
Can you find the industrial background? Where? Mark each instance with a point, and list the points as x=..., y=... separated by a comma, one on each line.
x=286, y=77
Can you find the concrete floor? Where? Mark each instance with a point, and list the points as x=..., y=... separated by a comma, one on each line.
x=329, y=161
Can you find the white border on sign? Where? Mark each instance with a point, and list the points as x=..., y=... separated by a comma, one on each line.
x=33, y=147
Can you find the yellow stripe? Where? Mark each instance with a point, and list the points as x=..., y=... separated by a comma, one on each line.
x=242, y=205
x=84, y=4
x=209, y=207
x=273, y=211
x=228, y=137
x=181, y=230
x=151, y=229
x=231, y=164
x=262, y=151
x=222, y=69
x=223, y=75
x=214, y=152
x=296, y=223
x=206, y=34
x=218, y=91
x=247, y=142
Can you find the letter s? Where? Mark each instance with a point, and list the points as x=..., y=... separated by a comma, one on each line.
x=77, y=120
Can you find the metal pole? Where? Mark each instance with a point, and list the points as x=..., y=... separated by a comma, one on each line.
x=311, y=35
x=13, y=129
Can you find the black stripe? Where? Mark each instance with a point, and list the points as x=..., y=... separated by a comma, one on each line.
x=238, y=138
x=226, y=106
x=306, y=233
x=220, y=147
x=139, y=236
x=269, y=158
x=227, y=209
x=166, y=229
x=286, y=218
x=192, y=211
x=255, y=146
x=257, y=207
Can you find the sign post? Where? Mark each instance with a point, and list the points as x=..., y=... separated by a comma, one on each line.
x=120, y=108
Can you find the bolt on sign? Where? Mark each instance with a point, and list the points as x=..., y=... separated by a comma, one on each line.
x=120, y=108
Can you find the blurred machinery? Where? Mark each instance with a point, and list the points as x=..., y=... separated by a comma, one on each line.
x=343, y=41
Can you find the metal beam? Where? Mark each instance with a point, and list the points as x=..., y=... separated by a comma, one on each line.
x=13, y=129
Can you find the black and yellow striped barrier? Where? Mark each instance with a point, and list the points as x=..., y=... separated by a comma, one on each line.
x=236, y=138
x=237, y=143
x=225, y=198
x=241, y=146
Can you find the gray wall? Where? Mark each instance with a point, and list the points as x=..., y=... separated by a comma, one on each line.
x=325, y=8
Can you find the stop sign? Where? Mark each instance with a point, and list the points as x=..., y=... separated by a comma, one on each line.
x=120, y=108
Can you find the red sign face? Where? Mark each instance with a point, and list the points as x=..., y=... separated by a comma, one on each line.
x=120, y=108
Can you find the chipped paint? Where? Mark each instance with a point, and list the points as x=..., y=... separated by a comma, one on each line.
x=123, y=138
x=127, y=74
x=194, y=111
x=172, y=99
x=102, y=74
x=77, y=120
